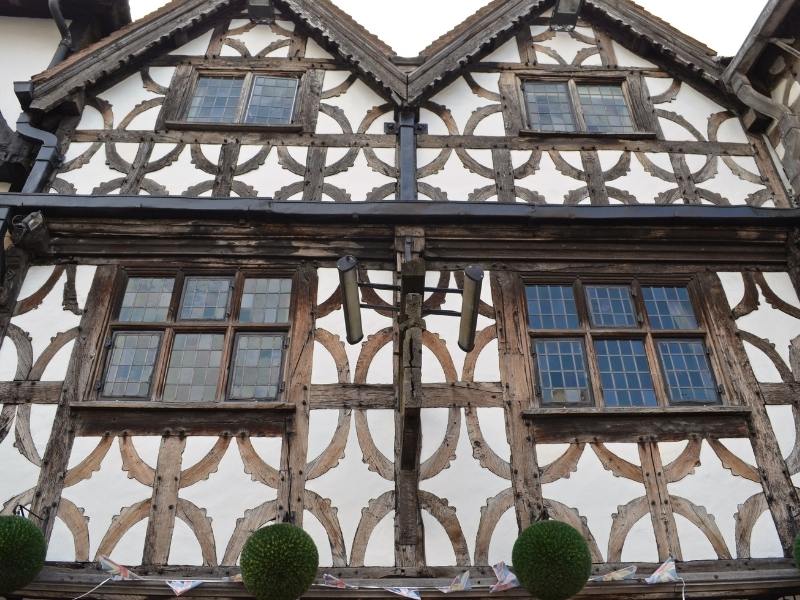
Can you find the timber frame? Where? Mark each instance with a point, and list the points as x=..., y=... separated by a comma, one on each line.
x=516, y=242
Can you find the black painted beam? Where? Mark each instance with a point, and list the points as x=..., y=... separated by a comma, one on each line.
x=159, y=207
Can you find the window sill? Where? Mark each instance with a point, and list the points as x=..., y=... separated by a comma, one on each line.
x=638, y=135
x=133, y=417
x=233, y=127
x=587, y=424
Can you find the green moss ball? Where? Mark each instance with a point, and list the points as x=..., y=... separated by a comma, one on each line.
x=279, y=562
x=552, y=560
x=22, y=552
x=797, y=551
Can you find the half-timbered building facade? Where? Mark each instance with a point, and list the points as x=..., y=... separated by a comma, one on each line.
x=175, y=370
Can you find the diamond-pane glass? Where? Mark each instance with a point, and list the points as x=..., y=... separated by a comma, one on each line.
x=194, y=367
x=610, y=306
x=551, y=307
x=130, y=365
x=216, y=100
x=256, y=367
x=687, y=371
x=549, y=107
x=206, y=298
x=266, y=301
x=604, y=109
x=272, y=100
x=669, y=308
x=625, y=373
x=561, y=365
x=146, y=299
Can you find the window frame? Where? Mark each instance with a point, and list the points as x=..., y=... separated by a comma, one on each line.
x=173, y=325
x=637, y=102
x=185, y=81
x=643, y=331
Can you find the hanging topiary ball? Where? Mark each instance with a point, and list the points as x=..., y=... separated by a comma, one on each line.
x=279, y=562
x=22, y=552
x=797, y=551
x=552, y=560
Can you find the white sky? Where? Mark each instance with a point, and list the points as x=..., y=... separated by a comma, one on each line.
x=409, y=25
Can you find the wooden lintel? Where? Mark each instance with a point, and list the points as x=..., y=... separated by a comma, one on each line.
x=571, y=425
x=107, y=418
x=30, y=392
x=780, y=393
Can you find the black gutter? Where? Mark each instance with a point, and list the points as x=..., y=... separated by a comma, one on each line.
x=266, y=209
x=47, y=158
x=65, y=45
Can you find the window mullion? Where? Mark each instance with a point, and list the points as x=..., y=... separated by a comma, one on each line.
x=244, y=101
x=225, y=364
x=595, y=384
x=577, y=109
x=162, y=364
x=659, y=385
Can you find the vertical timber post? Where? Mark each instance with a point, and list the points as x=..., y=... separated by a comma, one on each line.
x=409, y=532
x=406, y=127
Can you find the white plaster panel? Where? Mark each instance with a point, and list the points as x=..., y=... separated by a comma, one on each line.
x=716, y=489
x=48, y=319
x=503, y=538
x=181, y=174
x=695, y=108
x=626, y=58
x=161, y=75
x=107, y=492
x=93, y=173
x=565, y=46
x=488, y=81
x=349, y=499
x=371, y=322
x=314, y=50
x=356, y=102
x=732, y=131
x=460, y=101
x=507, y=52
x=8, y=360
x=783, y=425
x=185, y=549
x=765, y=542
x=125, y=96
x=39, y=38
x=271, y=176
x=455, y=178
x=257, y=39
x=733, y=286
x=195, y=47
x=464, y=484
x=638, y=182
x=726, y=183
x=491, y=125
x=90, y=119
x=224, y=508
x=599, y=508
x=550, y=182
x=359, y=180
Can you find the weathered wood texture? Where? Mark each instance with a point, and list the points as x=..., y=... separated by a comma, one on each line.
x=516, y=374
x=779, y=490
x=76, y=384
x=164, y=502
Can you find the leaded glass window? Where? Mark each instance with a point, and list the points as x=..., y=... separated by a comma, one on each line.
x=571, y=106
x=604, y=109
x=224, y=341
x=251, y=99
x=549, y=107
x=591, y=344
x=130, y=364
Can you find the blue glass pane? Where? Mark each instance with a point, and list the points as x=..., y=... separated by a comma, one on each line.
x=130, y=364
x=562, y=371
x=610, y=306
x=551, y=307
x=604, y=109
x=687, y=371
x=625, y=373
x=206, y=298
x=669, y=308
x=146, y=299
x=215, y=100
x=549, y=107
x=272, y=100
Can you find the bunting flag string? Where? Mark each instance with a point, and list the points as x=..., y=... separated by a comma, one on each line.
x=506, y=580
x=620, y=575
x=668, y=573
x=461, y=583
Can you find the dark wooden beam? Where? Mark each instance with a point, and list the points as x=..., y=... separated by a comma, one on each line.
x=589, y=425
x=160, y=418
x=434, y=395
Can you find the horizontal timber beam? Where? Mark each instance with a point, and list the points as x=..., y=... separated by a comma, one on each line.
x=434, y=395
x=159, y=207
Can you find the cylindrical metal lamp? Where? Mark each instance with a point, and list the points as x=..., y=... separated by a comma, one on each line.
x=471, y=297
x=351, y=298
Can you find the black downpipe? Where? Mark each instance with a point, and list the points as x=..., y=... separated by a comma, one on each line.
x=65, y=45
x=48, y=157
